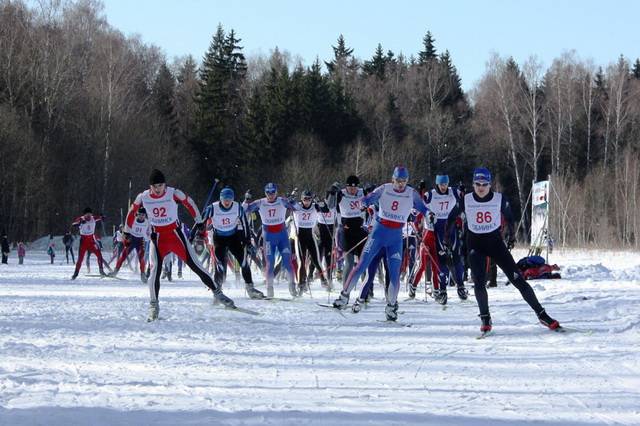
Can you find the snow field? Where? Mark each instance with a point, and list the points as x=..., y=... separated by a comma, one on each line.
x=80, y=352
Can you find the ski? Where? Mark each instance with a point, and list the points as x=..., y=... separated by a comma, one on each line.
x=277, y=299
x=243, y=310
x=326, y=305
x=105, y=276
x=395, y=323
x=484, y=334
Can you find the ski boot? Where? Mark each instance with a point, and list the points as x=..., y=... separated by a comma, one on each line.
x=179, y=274
x=154, y=310
x=341, y=302
x=412, y=291
x=270, y=292
x=220, y=297
x=252, y=292
x=440, y=296
x=463, y=294
x=391, y=311
x=292, y=289
x=325, y=284
x=547, y=321
x=357, y=305
x=486, y=323
x=74, y=276
x=143, y=277
x=102, y=273
x=303, y=288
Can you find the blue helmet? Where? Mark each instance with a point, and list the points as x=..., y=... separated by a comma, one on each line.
x=481, y=174
x=401, y=172
x=227, y=194
x=270, y=188
x=442, y=180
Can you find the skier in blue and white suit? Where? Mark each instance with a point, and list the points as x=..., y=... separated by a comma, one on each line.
x=395, y=201
x=273, y=211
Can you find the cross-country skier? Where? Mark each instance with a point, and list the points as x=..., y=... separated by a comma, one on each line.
x=134, y=238
x=395, y=201
x=161, y=203
x=305, y=219
x=273, y=211
x=88, y=242
x=441, y=200
x=326, y=238
x=485, y=210
x=348, y=201
x=231, y=233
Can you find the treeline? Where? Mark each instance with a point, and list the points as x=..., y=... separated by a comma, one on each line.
x=84, y=109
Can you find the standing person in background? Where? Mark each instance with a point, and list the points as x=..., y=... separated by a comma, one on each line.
x=88, y=241
x=22, y=251
x=67, y=240
x=4, y=244
x=51, y=249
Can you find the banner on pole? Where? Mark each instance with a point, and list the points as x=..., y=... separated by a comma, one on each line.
x=539, y=214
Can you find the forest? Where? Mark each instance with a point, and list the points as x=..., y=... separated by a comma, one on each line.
x=86, y=110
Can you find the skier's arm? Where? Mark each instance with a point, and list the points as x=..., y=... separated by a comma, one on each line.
x=244, y=224
x=188, y=203
x=373, y=196
x=131, y=214
x=251, y=207
x=418, y=202
x=453, y=214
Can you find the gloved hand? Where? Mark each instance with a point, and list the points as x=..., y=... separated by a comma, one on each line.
x=446, y=248
x=127, y=238
x=422, y=186
x=432, y=218
x=335, y=188
x=511, y=242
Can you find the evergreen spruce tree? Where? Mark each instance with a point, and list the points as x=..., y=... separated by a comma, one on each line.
x=454, y=85
x=341, y=57
x=429, y=50
x=220, y=135
x=376, y=66
x=636, y=69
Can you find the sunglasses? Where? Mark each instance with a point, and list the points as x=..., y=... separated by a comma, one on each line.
x=270, y=192
x=481, y=184
x=306, y=199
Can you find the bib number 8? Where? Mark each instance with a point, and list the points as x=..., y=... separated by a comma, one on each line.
x=394, y=206
x=483, y=217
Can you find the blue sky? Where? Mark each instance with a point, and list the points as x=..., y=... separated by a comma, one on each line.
x=470, y=30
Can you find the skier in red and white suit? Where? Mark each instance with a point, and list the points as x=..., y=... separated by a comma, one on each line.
x=160, y=202
x=87, y=226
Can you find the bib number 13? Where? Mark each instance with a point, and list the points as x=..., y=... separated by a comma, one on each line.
x=483, y=217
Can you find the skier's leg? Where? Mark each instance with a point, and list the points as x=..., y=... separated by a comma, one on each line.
x=477, y=263
x=505, y=261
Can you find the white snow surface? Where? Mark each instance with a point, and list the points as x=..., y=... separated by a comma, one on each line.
x=81, y=352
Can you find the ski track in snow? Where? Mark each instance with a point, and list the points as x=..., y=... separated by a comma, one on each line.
x=80, y=352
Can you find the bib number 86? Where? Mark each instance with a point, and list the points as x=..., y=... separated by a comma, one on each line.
x=483, y=217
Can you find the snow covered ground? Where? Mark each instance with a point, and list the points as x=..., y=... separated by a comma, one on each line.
x=80, y=352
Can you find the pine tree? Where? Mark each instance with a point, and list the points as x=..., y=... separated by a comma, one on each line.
x=636, y=69
x=163, y=94
x=220, y=140
x=341, y=56
x=429, y=51
x=377, y=65
x=454, y=85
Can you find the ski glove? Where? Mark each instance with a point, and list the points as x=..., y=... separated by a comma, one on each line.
x=511, y=242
